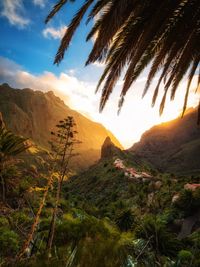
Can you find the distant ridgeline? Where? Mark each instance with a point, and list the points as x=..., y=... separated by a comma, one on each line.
x=34, y=114
x=172, y=146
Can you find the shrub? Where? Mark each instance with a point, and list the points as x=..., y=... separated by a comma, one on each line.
x=3, y=222
x=184, y=256
x=9, y=242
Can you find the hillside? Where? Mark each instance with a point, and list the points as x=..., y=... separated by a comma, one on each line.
x=34, y=114
x=173, y=146
x=114, y=179
x=121, y=181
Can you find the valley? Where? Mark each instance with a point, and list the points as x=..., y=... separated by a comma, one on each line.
x=114, y=199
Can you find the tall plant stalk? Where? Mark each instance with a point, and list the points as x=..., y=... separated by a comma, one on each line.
x=65, y=156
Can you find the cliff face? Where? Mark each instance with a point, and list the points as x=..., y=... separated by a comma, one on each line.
x=34, y=114
x=173, y=146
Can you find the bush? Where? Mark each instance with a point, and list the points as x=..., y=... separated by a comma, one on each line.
x=3, y=222
x=9, y=242
x=72, y=229
x=21, y=218
x=184, y=256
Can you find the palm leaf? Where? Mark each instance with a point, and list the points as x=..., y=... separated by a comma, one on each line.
x=132, y=34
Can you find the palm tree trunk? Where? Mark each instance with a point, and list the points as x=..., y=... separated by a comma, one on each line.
x=36, y=221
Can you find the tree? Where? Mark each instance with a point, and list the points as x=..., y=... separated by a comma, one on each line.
x=188, y=202
x=130, y=35
x=62, y=147
x=10, y=146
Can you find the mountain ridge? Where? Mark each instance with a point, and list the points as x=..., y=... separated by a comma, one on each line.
x=34, y=115
x=172, y=146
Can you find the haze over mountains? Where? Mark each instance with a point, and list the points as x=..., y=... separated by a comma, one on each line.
x=34, y=115
x=172, y=146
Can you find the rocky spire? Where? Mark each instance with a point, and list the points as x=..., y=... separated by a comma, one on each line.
x=108, y=149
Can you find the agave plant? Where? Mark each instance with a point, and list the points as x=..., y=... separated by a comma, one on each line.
x=131, y=34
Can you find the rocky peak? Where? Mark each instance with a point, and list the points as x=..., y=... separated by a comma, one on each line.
x=108, y=149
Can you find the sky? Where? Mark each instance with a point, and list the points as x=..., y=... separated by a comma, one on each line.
x=27, y=50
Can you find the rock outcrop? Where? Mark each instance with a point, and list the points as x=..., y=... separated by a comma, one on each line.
x=109, y=149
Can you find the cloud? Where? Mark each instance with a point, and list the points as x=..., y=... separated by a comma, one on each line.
x=51, y=32
x=99, y=64
x=13, y=10
x=40, y=3
x=72, y=72
x=77, y=94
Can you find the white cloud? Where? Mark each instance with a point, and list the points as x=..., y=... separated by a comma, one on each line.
x=51, y=32
x=40, y=3
x=13, y=10
x=76, y=93
x=72, y=72
x=99, y=64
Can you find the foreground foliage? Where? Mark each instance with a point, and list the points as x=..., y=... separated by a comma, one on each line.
x=103, y=218
x=130, y=35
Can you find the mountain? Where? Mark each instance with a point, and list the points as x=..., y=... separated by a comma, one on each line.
x=34, y=114
x=173, y=146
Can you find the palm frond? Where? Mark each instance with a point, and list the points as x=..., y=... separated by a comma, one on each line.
x=131, y=35
x=55, y=9
x=70, y=31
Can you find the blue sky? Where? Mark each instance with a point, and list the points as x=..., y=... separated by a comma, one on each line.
x=24, y=42
x=27, y=50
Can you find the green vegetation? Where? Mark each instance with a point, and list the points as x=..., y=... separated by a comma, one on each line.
x=99, y=218
x=62, y=147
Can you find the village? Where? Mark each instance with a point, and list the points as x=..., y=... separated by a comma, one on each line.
x=136, y=176
x=131, y=172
